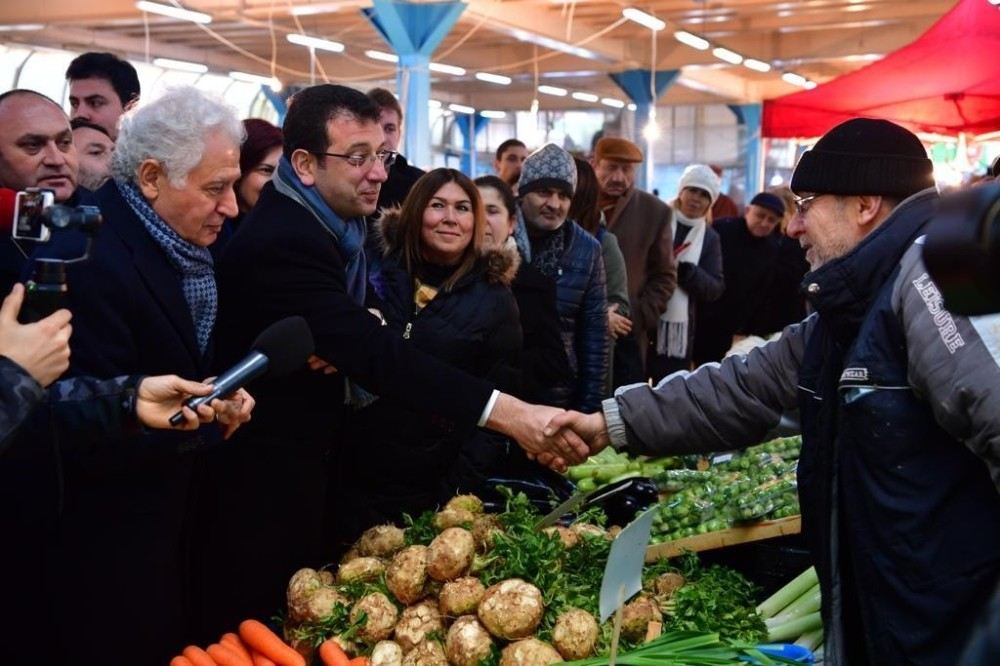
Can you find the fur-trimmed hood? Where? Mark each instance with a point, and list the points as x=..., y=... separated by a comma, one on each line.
x=498, y=264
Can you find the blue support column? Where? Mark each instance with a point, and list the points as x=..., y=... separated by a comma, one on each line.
x=749, y=115
x=413, y=31
x=277, y=101
x=637, y=85
x=470, y=126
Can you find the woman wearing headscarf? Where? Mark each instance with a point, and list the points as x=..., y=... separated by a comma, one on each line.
x=698, y=254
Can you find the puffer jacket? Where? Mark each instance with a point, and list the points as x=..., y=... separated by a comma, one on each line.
x=900, y=410
x=582, y=301
x=394, y=460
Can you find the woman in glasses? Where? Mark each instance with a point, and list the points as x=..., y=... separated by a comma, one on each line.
x=441, y=290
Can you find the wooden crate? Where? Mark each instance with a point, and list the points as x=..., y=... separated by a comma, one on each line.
x=734, y=535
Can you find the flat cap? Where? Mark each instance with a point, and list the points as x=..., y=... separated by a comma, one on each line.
x=616, y=148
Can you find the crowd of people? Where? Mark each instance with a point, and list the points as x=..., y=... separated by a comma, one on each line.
x=465, y=331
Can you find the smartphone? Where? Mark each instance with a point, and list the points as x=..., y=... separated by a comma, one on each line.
x=28, y=207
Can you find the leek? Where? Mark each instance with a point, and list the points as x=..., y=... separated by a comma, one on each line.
x=810, y=602
x=811, y=639
x=687, y=648
x=794, y=628
x=781, y=599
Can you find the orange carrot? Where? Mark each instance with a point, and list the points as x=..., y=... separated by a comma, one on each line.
x=180, y=660
x=261, y=660
x=224, y=656
x=360, y=661
x=332, y=654
x=198, y=657
x=233, y=642
x=263, y=640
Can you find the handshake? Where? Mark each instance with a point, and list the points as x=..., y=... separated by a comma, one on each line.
x=552, y=437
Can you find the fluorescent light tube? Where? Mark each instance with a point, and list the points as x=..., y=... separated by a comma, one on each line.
x=315, y=42
x=173, y=12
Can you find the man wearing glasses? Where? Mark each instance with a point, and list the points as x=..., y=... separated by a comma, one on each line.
x=899, y=403
x=300, y=252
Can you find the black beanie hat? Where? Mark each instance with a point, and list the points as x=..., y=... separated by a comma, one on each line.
x=865, y=156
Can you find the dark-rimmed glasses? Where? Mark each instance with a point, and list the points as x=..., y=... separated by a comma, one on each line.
x=387, y=157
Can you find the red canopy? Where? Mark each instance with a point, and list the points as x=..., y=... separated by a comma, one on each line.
x=947, y=81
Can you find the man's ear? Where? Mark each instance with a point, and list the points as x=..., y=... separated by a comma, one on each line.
x=150, y=179
x=304, y=163
x=870, y=209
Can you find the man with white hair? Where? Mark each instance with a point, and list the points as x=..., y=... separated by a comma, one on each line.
x=144, y=304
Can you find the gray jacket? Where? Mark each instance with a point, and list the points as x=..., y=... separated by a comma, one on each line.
x=954, y=366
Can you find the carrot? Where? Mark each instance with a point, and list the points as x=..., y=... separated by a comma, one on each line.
x=224, y=656
x=233, y=642
x=360, y=661
x=332, y=654
x=261, y=660
x=198, y=657
x=263, y=640
x=180, y=660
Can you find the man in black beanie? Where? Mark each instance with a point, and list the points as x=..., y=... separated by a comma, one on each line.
x=899, y=402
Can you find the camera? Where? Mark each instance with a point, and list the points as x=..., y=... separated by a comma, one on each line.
x=962, y=250
x=36, y=216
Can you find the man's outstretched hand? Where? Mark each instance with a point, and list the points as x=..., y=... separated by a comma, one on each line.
x=526, y=424
x=589, y=428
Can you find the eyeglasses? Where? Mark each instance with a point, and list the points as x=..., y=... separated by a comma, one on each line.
x=366, y=162
x=803, y=204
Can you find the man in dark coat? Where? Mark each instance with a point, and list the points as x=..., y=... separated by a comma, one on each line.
x=749, y=250
x=899, y=402
x=402, y=175
x=300, y=251
x=144, y=303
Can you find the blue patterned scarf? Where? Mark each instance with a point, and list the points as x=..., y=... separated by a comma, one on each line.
x=349, y=235
x=194, y=263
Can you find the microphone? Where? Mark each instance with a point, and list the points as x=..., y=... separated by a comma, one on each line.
x=280, y=349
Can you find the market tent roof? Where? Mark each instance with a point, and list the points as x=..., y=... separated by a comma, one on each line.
x=946, y=82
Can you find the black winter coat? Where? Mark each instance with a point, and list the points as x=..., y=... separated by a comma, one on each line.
x=127, y=501
x=264, y=520
x=902, y=518
x=543, y=360
x=748, y=264
x=397, y=460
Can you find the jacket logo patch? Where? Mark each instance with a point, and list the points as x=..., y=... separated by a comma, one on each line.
x=942, y=318
x=854, y=375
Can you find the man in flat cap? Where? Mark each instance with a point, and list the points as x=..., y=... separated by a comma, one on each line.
x=642, y=224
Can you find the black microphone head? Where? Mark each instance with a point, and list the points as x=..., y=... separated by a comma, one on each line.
x=287, y=344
